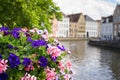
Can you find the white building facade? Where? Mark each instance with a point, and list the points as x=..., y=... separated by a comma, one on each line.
x=91, y=27
x=106, y=32
x=63, y=27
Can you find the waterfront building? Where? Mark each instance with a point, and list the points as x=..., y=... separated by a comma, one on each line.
x=63, y=27
x=91, y=27
x=77, y=25
x=106, y=28
x=116, y=22
x=99, y=26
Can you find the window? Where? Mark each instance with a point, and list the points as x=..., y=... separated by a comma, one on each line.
x=119, y=18
x=75, y=30
x=119, y=27
x=71, y=30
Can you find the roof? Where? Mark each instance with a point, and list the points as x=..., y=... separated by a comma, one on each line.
x=64, y=14
x=74, y=17
x=110, y=19
x=87, y=18
x=118, y=5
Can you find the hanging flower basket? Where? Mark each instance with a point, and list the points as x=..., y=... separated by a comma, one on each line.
x=31, y=55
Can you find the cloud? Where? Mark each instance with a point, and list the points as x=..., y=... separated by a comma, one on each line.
x=118, y=1
x=92, y=8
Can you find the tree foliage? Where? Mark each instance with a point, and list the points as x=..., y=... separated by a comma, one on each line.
x=28, y=13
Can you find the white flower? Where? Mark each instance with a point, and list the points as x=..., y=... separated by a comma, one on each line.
x=28, y=77
x=39, y=31
x=32, y=31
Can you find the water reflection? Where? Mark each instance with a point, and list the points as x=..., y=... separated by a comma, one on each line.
x=93, y=63
x=77, y=50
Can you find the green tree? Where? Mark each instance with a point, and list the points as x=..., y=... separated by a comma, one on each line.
x=28, y=13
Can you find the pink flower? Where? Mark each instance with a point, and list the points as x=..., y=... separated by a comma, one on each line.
x=69, y=64
x=66, y=77
x=55, y=54
x=50, y=49
x=53, y=51
x=50, y=74
x=28, y=77
x=61, y=66
x=24, y=29
x=29, y=68
x=3, y=65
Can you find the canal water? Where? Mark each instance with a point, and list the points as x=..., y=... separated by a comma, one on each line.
x=93, y=63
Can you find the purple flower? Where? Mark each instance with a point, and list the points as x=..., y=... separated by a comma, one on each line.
x=61, y=47
x=0, y=57
x=10, y=46
x=26, y=61
x=42, y=42
x=3, y=76
x=38, y=43
x=16, y=35
x=29, y=39
x=54, y=58
x=27, y=34
x=14, y=60
x=47, y=46
x=6, y=33
x=16, y=29
x=43, y=61
x=3, y=28
x=35, y=44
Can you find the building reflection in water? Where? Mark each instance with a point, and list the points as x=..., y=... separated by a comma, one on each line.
x=77, y=49
x=111, y=57
x=116, y=64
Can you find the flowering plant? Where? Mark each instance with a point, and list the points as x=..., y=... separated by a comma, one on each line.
x=31, y=55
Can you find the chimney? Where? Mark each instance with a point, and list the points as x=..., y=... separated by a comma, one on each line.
x=107, y=20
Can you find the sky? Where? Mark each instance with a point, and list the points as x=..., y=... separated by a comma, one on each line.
x=93, y=8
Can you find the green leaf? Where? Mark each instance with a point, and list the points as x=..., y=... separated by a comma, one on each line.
x=21, y=67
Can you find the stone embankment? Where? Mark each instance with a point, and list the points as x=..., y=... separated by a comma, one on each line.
x=71, y=39
x=97, y=42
